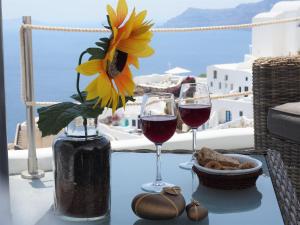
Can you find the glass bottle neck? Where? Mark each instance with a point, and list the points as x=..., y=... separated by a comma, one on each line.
x=77, y=129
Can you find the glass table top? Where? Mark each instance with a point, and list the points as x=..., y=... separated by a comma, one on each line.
x=32, y=200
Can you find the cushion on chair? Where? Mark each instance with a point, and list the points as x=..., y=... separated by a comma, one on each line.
x=284, y=121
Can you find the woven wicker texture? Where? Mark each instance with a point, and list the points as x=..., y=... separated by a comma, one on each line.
x=286, y=196
x=276, y=81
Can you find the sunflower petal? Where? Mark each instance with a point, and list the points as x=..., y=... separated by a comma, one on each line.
x=144, y=36
x=90, y=67
x=99, y=87
x=139, y=19
x=122, y=11
x=115, y=99
x=142, y=29
x=148, y=51
x=119, y=85
x=111, y=53
x=123, y=100
x=131, y=46
x=122, y=82
x=127, y=28
x=133, y=60
x=105, y=100
x=112, y=15
x=91, y=89
x=125, y=79
x=104, y=84
x=114, y=33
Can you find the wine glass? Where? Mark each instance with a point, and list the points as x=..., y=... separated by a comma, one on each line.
x=194, y=108
x=159, y=121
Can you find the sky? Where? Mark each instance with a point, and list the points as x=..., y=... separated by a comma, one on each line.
x=54, y=11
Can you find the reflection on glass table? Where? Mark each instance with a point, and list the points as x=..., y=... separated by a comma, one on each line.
x=32, y=205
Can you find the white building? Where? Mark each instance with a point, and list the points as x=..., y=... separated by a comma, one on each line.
x=228, y=78
x=231, y=109
x=278, y=39
x=267, y=41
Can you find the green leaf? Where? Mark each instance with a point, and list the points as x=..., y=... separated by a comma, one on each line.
x=102, y=45
x=76, y=97
x=96, y=53
x=105, y=40
x=53, y=119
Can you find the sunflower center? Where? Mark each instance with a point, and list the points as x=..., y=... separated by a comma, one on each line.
x=118, y=63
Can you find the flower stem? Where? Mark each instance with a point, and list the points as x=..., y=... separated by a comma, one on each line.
x=78, y=77
x=79, y=92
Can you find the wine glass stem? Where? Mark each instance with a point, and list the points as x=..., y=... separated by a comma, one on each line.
x=158, y=165
x=194, y=142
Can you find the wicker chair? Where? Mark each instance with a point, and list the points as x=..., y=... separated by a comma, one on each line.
x=276, y=81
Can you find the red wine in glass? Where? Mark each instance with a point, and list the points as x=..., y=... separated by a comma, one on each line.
x=159, y=129
x=194, y=115
x=194, y=107
x=158, y=122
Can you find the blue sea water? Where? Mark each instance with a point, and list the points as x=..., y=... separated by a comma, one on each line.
x=55, y=56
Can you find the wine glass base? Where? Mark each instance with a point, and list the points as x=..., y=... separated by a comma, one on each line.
x=155, y=187
x=187, y=165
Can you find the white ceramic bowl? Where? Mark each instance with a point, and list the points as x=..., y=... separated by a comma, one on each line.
x=240, y=158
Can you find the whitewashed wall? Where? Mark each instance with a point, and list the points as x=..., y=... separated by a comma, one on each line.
x=279, y=39
x=234, y=106
x=236, y=78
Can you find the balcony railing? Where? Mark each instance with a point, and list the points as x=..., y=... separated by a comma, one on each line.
x=28, y=78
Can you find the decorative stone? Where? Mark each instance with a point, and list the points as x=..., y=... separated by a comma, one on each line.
x=160, y=206
x=195, y=211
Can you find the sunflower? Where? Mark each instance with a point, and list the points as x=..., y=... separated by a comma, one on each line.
x=128, y=42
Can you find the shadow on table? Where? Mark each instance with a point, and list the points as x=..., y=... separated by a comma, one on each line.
x=178, y=221
x=50, y=219
x=37, y=183
x=228, y=201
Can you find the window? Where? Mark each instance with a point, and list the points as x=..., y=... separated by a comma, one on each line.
x=226, y=85
x=220, y=85
x=246, y=78
x=211, y=84
x=126, y=122
x=228, y=116
x=139, y=122
x=226, y=77
x=133, y=123
x=215, y=74
x=240, y=89
x=246, y=88
x=241, y=113
x=231, y=86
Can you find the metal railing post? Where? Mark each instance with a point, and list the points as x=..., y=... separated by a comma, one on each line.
x=32, y=171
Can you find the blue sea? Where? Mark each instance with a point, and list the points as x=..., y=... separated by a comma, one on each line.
x=55, y=55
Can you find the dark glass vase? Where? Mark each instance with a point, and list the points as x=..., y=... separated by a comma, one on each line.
x=82, y=173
